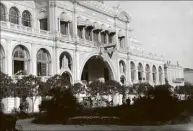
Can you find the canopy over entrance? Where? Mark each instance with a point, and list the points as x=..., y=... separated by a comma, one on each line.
x=96, y=69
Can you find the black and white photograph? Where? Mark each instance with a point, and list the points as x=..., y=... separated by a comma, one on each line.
x=78, y=65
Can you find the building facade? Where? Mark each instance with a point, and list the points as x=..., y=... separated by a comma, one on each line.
x=83, y=40
x=188, y=75
x=174, y=73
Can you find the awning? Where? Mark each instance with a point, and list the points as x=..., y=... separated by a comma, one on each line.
x=104, y=28
x=97, y=26
x=121, y=34
x=89, y=23
x=81, y=22
x=111, y=31
x=65, y=17
x=42, y=15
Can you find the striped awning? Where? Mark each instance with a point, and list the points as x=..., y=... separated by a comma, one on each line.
x=97, y=26
x=121, y=34
x=104, y=28
x=42, y=15
x=111, y=30
x=65, y=17
x=81, y=22
x=89, y=23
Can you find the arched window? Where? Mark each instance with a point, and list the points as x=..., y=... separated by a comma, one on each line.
x=2, y=12
x=2, y=58
x=14, y=15
x=132, y=71
x=43, y=62
x=20, y=60
x=160, y=74
x=26, y=18
x=147, y=70
x=65, y=61
x=154, y=72
x=122, y=67
x=140, y=72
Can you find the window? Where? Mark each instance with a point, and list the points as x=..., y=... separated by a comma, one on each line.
x=20, y=60
x=44, y=24
x=88, y=33
x=64, y=27
x=103, y=37
x=140, y=72
x=122, y=42
x=14, y=15
x=2, y=12
x=154, y=74
x=132, y=71
x=2, y=56
x=43, y=63
x=95, y=36
x=80, y=32
x=110, y=38
x=26, y=18
x=71, y=29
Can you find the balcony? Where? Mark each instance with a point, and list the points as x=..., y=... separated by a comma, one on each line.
x=7, y=26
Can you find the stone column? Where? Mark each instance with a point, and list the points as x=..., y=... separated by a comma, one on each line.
x=157, y=76
x=20, y=20
x=75, y=20
x=150, y=76
x=129, y=73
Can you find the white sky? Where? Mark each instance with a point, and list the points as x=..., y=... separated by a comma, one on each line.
x=163, y=27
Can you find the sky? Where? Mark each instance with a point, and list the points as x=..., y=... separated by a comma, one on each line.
x=163, y=27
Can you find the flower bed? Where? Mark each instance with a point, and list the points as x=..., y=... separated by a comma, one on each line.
x=94, y=120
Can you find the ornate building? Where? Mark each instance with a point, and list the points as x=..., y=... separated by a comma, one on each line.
x=84, y=40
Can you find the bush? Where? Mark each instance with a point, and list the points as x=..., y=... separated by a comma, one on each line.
x=158, y=106
x=7, y=122
x=94, y=120
x=59, y=108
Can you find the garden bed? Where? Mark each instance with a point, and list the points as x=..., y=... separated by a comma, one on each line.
x=94, y=120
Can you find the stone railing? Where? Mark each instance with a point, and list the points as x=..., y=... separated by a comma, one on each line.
x=23, y=29
x=146, y=55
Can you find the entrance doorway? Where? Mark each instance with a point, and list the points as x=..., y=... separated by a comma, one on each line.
x=95, y=68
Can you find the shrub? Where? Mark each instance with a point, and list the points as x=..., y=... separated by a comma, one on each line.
x=7, y=122
x=157, y=106
x=60, y=107
x=94, y=120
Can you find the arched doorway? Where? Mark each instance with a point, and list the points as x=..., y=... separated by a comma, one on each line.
x=21, y=60
x=95, y=68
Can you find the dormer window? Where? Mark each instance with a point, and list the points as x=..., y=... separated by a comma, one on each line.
x=65, y=24
x=44, y=24
x=121, y=39
x=88, y=33
x=103, y=37
x=111, y=35
x=64, y=27
x=43, y=19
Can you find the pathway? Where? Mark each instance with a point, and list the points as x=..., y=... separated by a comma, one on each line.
x=26, y=124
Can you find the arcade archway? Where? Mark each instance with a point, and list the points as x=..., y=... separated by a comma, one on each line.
x=96, y=68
